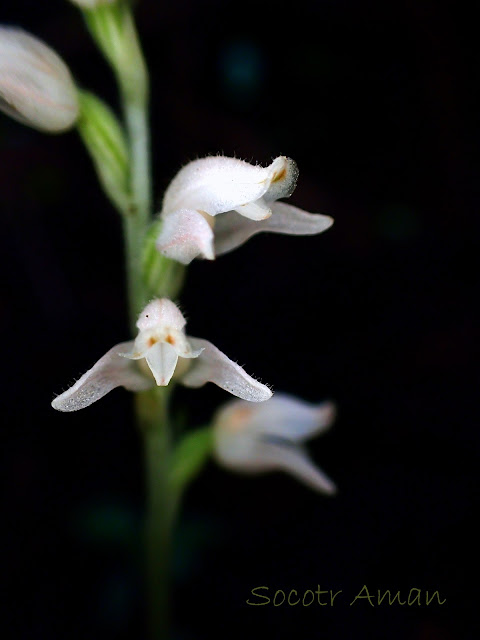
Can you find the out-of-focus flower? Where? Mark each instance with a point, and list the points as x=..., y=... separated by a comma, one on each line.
x=270, y=437
x=246, y=197
x=36, y=86
x=91, y=4
x=161, y=341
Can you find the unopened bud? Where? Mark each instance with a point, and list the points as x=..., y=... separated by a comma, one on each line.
x=36, y=86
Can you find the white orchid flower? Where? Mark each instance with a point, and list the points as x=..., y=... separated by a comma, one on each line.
x=162, y=342
x=246, y=197
x=269, y=437
x=36, y=86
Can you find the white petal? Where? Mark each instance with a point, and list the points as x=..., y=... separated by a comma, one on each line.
x=112, y=370
x=234, y=446
x=283, y=416
x=294, y=460
x=214, y=366
x=159, y=314
x=243, y=451
x=217, y=184
x=35, y=84
x=185, y=235
x=296, y=222
x=146, y=339
x=182, y=346
x=90, y=4
x=140, y=346
x=162, y=360
x=257, y=210
x=289, y=417
x=232, y=230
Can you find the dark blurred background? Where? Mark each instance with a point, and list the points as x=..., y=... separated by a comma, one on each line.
x=378, y=103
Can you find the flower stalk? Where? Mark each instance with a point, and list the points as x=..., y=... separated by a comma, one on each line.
x=151, y=407
x=152, y=415
x=113, y=28
x=133, y=83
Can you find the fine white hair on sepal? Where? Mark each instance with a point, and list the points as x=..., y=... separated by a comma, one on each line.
x=214, y=366
x=164, y=351
x=217, y=184
x=111, y=371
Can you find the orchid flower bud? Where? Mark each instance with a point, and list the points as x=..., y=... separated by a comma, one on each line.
x=215, y=204
x=270, y=436
x=36, y=86
x=162, y=343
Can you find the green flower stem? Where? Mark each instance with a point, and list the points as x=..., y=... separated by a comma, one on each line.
x=152, y=413
x=151, y=407
x=136, y=117
x=132, y=75
x=134, y=233
x=133, y=83
x=112, y=26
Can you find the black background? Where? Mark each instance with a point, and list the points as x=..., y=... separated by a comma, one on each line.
x=378, y=104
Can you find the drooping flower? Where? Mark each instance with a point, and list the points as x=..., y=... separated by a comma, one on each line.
x=161, y=342
x=246, y=197
x=36, y=86
x=270, y=437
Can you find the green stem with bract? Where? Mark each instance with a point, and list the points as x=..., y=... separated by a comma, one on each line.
x=112, y=27
x=152, y=414
x=122, y=159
